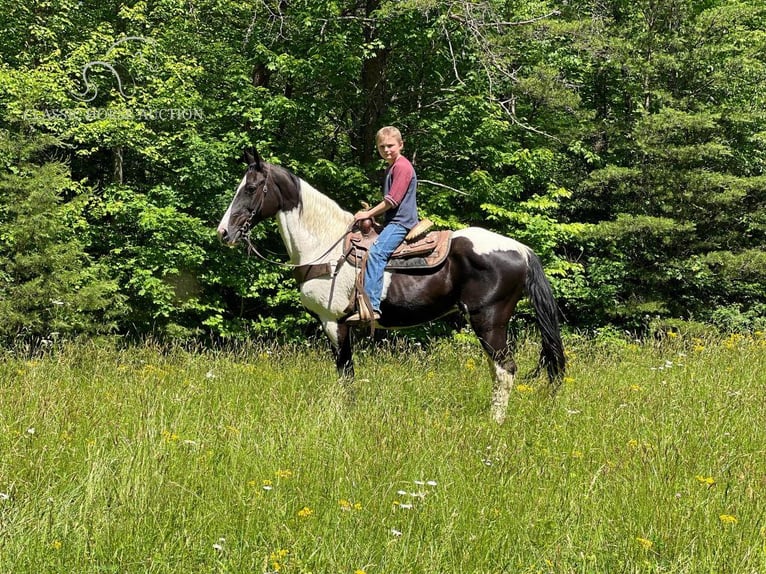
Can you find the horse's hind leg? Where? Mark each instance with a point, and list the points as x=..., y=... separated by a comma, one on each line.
x=493, y=335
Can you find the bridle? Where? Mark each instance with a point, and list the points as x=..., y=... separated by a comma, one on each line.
x=244, y=231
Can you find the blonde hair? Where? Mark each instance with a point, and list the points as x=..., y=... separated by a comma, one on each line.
x=389, y=131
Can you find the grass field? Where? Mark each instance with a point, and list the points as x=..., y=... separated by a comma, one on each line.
x=651, y=459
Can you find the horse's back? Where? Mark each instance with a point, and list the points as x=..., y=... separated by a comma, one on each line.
x=488, y=265
x=483, y=242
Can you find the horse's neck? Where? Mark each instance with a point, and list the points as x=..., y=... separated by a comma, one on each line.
x=310, y=230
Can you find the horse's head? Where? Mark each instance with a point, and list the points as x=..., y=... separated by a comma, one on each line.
x=264, y=190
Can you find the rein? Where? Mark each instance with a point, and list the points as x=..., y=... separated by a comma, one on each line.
x=251, y=248
x=303, y=268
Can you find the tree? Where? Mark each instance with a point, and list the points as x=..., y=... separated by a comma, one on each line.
x=678, y=89
x=49, y=286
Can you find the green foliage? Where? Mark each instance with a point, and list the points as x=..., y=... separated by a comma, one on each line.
x=679, y=185
x=49, y=287
x=625, y=142
x=156, y=253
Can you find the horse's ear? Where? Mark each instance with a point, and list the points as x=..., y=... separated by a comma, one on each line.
x=253, y=158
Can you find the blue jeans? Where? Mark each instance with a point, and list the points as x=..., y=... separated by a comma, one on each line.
x=388, y=240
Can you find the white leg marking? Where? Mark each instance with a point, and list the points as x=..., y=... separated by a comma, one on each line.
x=330, y=328
x=501, y=392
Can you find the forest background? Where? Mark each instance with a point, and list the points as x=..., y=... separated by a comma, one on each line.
x=624, y=141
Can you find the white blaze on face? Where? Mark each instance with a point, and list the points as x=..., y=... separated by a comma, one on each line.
x=223, y=226
x=485, y=241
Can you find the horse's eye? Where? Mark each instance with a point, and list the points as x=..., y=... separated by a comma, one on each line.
x=250, y=189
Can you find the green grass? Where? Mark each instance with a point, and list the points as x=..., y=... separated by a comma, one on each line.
x=651, y=459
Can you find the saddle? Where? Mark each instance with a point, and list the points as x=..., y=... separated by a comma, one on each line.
x=421, y=249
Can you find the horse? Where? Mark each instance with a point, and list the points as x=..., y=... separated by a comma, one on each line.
x=484, y=276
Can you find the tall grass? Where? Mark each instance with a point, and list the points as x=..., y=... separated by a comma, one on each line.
x=651, y=459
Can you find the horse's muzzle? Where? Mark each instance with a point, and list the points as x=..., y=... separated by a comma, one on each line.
x=225, y=238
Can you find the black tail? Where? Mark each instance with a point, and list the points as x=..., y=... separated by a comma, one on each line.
x=540, y=293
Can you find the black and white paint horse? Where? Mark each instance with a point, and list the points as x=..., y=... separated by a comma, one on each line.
x=483, y=276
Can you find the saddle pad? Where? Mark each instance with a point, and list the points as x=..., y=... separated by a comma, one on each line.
x=426, y=252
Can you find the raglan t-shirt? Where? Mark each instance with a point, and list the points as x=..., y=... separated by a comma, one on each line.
x=400, y=190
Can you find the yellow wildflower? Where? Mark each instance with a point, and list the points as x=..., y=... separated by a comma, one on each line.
x=305, y=512
x=728, y=519
x=169, y=436
x=277, y=558
x=708, y=480
x=645, y=543
x=56, y=545
x=348, y=506
x=283, y=473
x=524, y=389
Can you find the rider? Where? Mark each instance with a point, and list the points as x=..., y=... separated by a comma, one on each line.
x=401, y=213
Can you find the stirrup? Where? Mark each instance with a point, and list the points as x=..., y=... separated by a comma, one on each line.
x=357, y=317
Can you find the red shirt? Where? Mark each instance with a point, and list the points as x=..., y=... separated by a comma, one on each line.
x=400, y=190
x=402, y=173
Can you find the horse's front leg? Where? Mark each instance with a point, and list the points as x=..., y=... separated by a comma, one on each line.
x=340, y=339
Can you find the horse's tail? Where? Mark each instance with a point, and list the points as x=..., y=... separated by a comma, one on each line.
x=540, y=293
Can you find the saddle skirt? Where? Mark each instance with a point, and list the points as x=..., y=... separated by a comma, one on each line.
x=422, y=252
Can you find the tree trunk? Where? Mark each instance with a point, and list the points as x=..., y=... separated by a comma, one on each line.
x=373, y=84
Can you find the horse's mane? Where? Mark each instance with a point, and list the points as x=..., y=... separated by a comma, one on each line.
x=321, y=213
x=318, y=222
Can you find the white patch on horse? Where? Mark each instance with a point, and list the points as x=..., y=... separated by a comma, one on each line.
x=308, y=231
x=330, y=328
x=311, y=228
x=316, y=293
x=485, y=241
x=386, y=284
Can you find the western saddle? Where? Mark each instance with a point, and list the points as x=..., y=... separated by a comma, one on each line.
x=421, y=249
